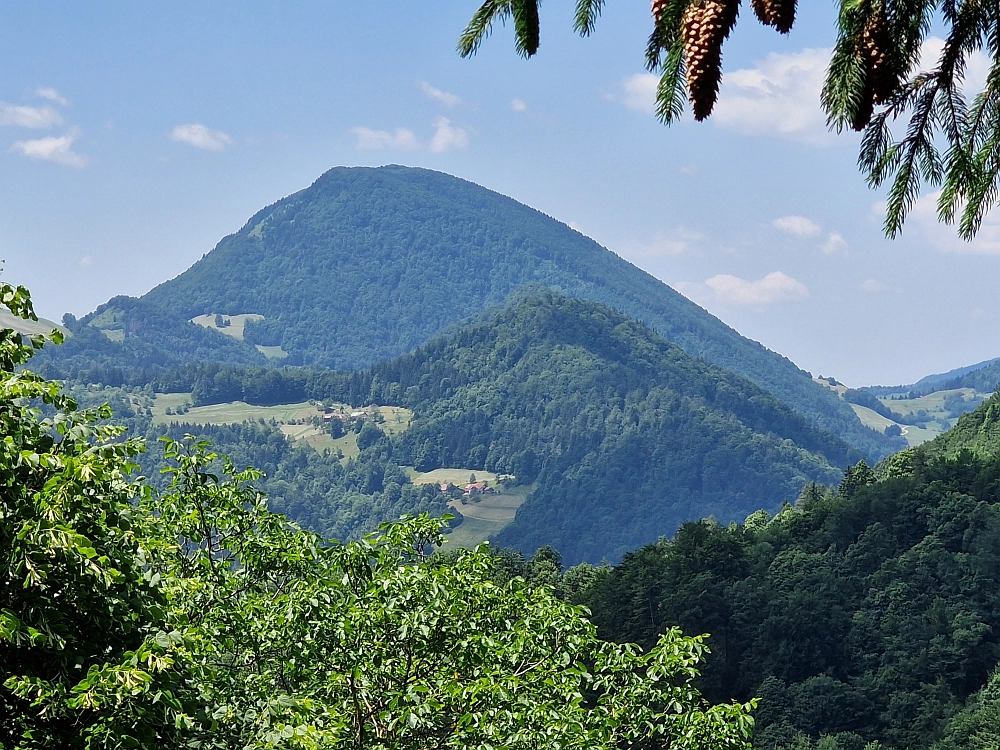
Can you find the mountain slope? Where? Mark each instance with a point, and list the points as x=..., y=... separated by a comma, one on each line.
x=625, y=435
x=367, y=264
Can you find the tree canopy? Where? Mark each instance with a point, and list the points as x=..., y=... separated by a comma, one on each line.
x=195, y=617
x=951, y=138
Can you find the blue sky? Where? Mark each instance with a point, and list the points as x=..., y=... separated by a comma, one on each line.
x=133, y=136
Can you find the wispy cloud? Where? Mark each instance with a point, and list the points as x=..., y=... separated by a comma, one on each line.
x=379, y=140
x=518, y=105
x=448, y=137
x=780, y=97
x=432, y=92
x=680, y=241
x=47, y=92
x=922, y=222
x=20, y=116
x=835, y=245
x=200, y=136
x=874, y=286
x=775, y=287
x=638, y=92
x=52, y=149
x=797, y=225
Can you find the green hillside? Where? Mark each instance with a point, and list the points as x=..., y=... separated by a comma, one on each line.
x=625, y=435
x=367, y=264
x=865, y=613
x=615, y=435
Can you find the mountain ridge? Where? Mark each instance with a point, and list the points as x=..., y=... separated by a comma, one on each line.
x=369, y=263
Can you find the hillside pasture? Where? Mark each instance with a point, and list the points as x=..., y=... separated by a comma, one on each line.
x=297, y=422
x=231, y=413
x=457, y=477
x=483, y=518
x=936, y=404
x=235, y=328
x=914, y=435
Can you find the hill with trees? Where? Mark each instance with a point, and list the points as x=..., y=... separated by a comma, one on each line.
x=865, y=613
x=367, y=264
x=621, y=433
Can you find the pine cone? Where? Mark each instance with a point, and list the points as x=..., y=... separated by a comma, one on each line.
x=880, y=81
x=777, y=13
x=704, y=27
x=876, y=42
x=658, y=7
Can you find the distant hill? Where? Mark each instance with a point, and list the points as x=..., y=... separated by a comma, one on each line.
x=367, y=264
x=621, y=433
x=29, y=327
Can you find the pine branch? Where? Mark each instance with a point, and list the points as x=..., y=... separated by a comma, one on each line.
x=481, y=25
x=587, y=12
x=526, y=30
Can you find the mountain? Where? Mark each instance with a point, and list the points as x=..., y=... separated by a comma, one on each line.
x=366, y=264
x=983, y=376
x=864, y=614
x=621, y=435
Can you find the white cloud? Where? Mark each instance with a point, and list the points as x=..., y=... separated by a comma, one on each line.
x=778, y=97
x=29, y=117
x=679, y=241
x=376, y=140
x=797, y=225
x=518, y=105
x=198, y=135
x=923, y=222
x=835, y=245
x=56, y=150
x=432, y=92
x=447, y=137
x=86, y=261
x=638, y=92
x=775, y=287
x=874, y=286
x=977, y=66
x=47, y=92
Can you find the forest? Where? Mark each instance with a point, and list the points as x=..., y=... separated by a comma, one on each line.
x=618, y=434
x=368, y=264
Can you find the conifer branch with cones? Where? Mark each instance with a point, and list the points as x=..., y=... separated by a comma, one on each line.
x=874, y=78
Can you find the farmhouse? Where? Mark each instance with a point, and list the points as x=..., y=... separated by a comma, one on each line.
x=479, y=488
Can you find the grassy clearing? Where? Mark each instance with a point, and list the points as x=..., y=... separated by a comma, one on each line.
x=934, y=403
x=914, y=435
x=271, y=352
x=236, y=324
x=231, y=413
x=297, y=422
x=457, y=477
x=483, y=519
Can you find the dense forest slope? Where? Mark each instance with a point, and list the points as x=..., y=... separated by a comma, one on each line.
x=870, y=612
x=623, y=434
x=367, y=264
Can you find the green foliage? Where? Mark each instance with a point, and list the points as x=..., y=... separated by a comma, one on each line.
x=367, y=645
x=198, y=618
x=868, y=614
x=85, y=660
x=368, y=264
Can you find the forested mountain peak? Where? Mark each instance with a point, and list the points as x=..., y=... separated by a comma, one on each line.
x=368, y=263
